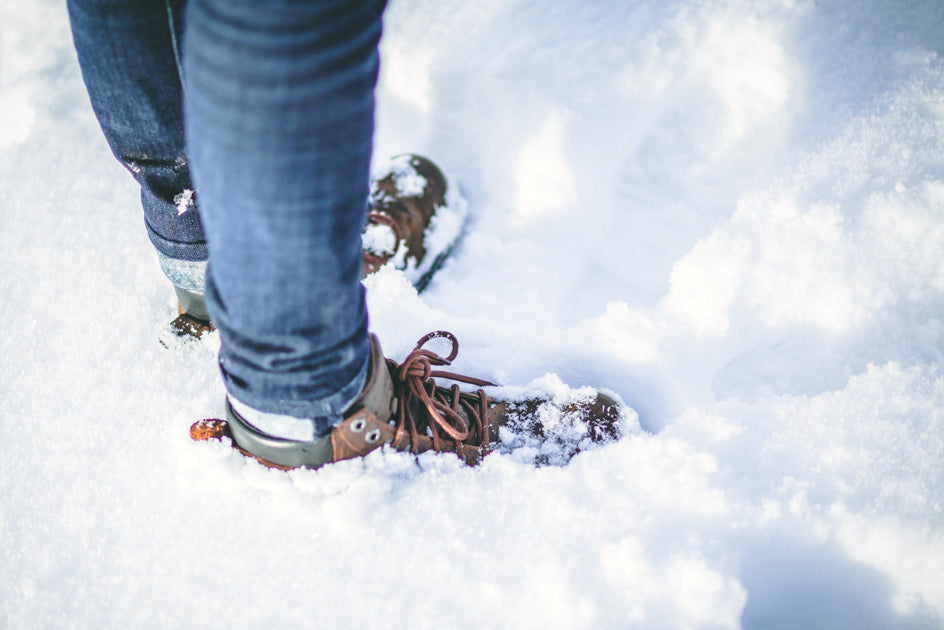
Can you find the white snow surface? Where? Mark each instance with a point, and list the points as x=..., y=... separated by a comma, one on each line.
x=728, y=212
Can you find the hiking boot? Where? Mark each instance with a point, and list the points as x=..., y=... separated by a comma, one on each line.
x=413, y=221
x=188, y=279
x=402, y=406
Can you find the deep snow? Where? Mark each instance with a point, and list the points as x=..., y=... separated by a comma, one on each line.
x=729, y=212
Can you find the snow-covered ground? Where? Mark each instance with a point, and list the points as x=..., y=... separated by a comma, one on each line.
x=729, y=212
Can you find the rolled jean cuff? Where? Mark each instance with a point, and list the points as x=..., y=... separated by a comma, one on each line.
x=330, y=412
x=175, y=229
x=177, y=250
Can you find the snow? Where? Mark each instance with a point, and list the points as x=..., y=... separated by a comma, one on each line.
x=184, y=201
x=729, y=213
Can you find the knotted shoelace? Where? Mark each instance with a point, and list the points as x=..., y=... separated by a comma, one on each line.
x=441, y=406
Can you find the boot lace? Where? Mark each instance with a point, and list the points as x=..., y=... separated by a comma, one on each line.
x=427, y=408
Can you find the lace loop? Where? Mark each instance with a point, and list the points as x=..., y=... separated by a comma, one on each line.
x=446, y=412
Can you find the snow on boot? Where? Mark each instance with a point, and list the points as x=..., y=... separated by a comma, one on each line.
x=403, y=407
x=414, y=221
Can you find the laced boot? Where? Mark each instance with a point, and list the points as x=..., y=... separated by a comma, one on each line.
x=414, y=220
x=473, y=424
x=403, y=407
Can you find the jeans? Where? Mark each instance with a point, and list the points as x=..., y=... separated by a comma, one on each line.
x=266, y=110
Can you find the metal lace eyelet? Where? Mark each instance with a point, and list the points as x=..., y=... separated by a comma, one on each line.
x=372, y=436
x=358, y=425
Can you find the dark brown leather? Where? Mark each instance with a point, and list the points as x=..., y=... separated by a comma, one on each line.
x=410, y=213
x=185, y=325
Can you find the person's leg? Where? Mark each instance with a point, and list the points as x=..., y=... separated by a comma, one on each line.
x=128, y=53
x=279, y=117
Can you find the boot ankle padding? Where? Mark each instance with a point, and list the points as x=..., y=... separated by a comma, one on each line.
x=365, y=426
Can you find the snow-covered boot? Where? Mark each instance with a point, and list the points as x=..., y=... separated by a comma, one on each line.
x=414, y=219
x=413, y=222
x=402, y=406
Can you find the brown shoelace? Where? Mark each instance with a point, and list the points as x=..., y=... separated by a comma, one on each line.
x=415, y=382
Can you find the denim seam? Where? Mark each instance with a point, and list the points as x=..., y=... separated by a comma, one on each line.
x=175, y=46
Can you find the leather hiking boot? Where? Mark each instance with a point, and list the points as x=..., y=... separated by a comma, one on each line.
x=188, y=279
x=473, y=424
x=414, y=220
x=402, y=406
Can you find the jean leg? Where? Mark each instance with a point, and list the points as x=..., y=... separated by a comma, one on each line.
x=279, y=114
x=127, y=51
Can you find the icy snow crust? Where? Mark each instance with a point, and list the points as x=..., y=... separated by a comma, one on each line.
x=729, y=213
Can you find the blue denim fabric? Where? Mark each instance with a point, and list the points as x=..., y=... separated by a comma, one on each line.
x=278, y=109
x=128, y=55
x=279, y=114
